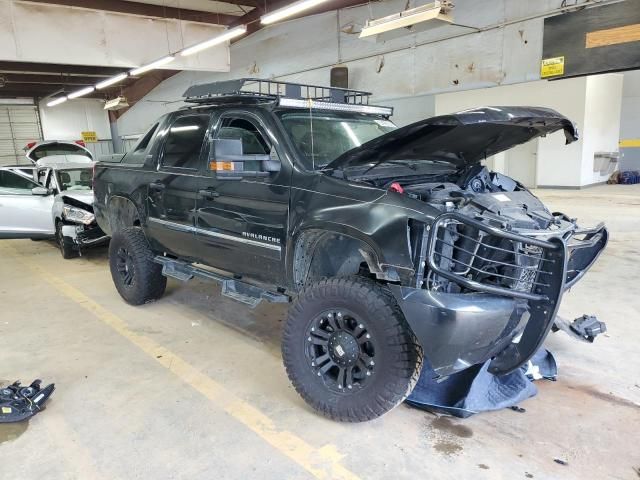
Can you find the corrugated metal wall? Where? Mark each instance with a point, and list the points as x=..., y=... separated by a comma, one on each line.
x=19, y=125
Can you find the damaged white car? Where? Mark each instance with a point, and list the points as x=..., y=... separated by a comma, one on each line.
x=56, y=203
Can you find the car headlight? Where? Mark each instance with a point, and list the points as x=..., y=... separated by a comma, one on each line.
x=78, y=215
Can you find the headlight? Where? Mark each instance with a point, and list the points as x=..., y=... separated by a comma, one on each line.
x=77, y=215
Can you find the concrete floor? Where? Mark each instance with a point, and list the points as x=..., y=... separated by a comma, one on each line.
x=193, y=386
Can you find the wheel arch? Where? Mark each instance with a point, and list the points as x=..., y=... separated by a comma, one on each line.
x=122, y=213
x=319, y=252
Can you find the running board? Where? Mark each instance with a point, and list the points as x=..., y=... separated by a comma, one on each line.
x=232, y=288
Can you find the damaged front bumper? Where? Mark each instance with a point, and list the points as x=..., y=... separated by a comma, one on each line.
x=457, y=330
x=85, y=235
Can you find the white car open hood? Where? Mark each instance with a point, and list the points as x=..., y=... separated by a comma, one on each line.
x=84, y=196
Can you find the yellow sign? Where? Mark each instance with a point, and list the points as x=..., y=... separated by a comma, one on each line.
x=89, y=137
x=552, y=67
x=630, y=143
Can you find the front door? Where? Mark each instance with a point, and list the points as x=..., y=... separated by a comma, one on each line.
x=243, y=205
x=172, y=189
x=24, y=212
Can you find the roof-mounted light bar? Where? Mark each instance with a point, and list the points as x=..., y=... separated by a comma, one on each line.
x=338, y=107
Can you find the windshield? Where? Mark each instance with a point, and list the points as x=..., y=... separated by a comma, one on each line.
x=321, y=137
x=50, y=149
x=74, y=180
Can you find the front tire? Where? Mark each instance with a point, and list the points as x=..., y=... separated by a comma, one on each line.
x=136, y=276
x=66, y=244
x=348, y=349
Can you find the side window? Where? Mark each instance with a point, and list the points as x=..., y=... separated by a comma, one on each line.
x=249, y=141
x=184, y=140
x=11, y=183
x=142, y=144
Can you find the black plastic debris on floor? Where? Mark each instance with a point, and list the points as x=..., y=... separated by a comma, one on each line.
x=476, y=390
x=18, y=403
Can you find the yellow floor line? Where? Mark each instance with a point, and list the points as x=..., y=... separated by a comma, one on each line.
x=322, y=463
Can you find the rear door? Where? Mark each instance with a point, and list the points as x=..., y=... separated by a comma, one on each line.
x=23, y=214
x=171, y=193
x=243, y=199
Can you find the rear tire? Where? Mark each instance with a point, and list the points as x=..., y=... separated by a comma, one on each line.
x=136, y=276
x=348, y=349
x=66, y=244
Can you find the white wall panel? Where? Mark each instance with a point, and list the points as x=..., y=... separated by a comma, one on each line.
x=67, y=120
x=58, y=34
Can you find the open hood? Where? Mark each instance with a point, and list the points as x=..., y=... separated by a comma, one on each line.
x=462, y=138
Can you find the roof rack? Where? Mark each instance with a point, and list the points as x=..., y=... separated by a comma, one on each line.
x=272, y=89
x=296, y=95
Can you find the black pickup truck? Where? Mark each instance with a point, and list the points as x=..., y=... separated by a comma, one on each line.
x=394, y=245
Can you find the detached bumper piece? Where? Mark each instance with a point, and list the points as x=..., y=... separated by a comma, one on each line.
x=585, y=328
x=18, y=403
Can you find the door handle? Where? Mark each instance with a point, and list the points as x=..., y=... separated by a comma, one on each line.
x=206, y=193
x=158, y=187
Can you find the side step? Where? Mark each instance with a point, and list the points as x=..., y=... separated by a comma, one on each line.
x=232, y=288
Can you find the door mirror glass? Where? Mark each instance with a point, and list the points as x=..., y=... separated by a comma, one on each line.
x=40, y=191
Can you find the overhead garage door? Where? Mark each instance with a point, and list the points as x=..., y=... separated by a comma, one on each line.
x=19, y=125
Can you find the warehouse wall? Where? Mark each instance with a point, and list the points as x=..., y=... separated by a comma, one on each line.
x=557, y=164
x=601, y=125
x=592, y=103
x=445, y=58
x=67, y=120
x=630, y=121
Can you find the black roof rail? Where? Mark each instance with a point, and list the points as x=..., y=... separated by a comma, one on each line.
x=271, y=90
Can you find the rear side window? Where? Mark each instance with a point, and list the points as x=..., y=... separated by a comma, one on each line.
x=184, y=141
x=11, y=183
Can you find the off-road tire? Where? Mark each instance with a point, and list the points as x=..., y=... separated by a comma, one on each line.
x=66, y=244
x=398, y=354
x=146, y=282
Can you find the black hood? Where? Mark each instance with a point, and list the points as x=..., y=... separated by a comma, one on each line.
x=462, y=138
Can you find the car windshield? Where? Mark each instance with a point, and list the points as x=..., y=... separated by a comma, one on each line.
x=76, y=179
x=50, y=149
x=321, y=137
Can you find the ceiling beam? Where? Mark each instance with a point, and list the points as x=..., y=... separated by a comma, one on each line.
x=244, y=3
x=23, y=67
x=53, y=79
x=145, y=9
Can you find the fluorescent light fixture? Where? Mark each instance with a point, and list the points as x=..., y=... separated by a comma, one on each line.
x=81, y=92
x=289, y=10
x=340, y=107
x=228, y=35
x=110, y=81
x=151, y=66
x=406, y=19
x=57, y=101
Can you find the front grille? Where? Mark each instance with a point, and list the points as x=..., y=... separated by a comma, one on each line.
x=478, y=256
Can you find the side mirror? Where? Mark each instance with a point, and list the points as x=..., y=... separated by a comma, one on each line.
x=230, y=162
x=41, y=191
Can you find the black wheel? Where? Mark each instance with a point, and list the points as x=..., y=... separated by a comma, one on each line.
x=348, y=349
x=136, y=276
x=66, y=244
